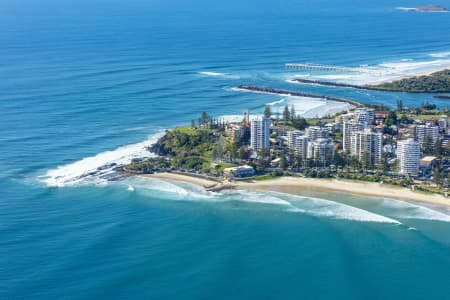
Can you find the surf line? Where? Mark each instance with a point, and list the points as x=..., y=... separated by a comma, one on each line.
x=295, y=94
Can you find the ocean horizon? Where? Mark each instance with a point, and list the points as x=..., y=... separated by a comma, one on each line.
x=89, y=84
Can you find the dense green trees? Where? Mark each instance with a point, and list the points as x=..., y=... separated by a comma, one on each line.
x=267, y=112
x=438, y=82
x=286, y=114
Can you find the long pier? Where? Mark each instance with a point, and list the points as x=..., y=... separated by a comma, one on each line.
x=318, y=67
x=296, y=94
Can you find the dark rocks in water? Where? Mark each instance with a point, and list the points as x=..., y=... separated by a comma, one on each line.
x=159, y=147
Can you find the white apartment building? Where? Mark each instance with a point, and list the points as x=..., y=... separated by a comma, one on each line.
x=321, y=151
x=316, y=132
x=301, y=146
x=364, y=114
x=443, y=122
x=367, y=146
x=348, y=129
x=260, y=134
x=408, y=155
x=422, y=131
x=291, y=136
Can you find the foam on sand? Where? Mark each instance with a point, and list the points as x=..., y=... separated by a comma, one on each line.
x=97, y=169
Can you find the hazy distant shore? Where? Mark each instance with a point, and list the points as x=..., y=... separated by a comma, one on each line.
x=297, y=186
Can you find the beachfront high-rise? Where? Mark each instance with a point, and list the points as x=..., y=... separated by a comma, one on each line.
x=259, y=134
x=367, y=146
x=408, y=155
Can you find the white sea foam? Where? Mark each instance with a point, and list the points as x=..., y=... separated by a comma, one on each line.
x=212, y=73
x=180, y=191
x=332, y=209
x=440, y=54
x=171, y=190
x=95, y=169
x=405, y=210
x=386, y=71
x=406, y=8
x=275, y=102
x=254, y=197
x=306, y=107
x=219, y=74
x=312, y=107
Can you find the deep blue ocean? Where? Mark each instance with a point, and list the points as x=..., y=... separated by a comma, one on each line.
x=87, y=83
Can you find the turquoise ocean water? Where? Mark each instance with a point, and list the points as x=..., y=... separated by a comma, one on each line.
x=89, y=83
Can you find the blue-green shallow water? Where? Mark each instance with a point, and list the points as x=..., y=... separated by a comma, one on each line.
x=79, y=79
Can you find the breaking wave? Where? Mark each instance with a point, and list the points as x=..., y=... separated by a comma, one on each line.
x=219, y=74
x=386, y=71
x=405, y=210
x=99, y=168
x=172, y=190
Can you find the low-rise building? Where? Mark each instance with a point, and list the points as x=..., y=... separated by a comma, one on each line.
x=240, y=171
x=428, y=162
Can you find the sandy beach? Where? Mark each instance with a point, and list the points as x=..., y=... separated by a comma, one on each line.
x=298, y=186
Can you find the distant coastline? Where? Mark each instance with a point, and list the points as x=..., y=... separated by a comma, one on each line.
x=298, y=185
x=425, y=8
x=436, y=82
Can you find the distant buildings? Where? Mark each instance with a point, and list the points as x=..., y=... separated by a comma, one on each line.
x=260, y=134
x=443, y=123
x=408, y=155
